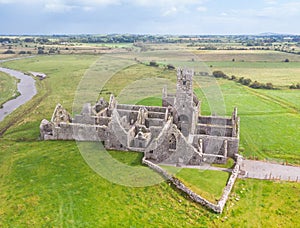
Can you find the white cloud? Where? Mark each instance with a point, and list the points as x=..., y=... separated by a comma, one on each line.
x=58, y=7
x=275, y=11
x=292, y=7
x=166, y=7
x=271, y=2
x=201, y=9
x=165, y=2
x=285, y=9
x=97, y=2
x=19, y=2
x=171, y=7
x=88, y=8
x=173, y=10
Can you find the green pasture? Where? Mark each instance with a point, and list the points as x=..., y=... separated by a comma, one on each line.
x=200, y=181
x=8, y=88
x=241, y=56
x=48, y=184
x=280, y=74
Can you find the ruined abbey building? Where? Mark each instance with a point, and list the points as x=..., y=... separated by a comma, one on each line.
x=175, y=133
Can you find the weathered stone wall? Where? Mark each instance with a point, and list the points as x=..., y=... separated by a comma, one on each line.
x=117, y=137
x=184, y=152
x=137, y=108
x=154, y=122
x=219, y=207
x=85, y=119
x=168, y=100
x=103, y=121
x=74, y=131
x=215, y=142
x=156, y=115
x=229, y=185
x=203, y=129
x=159, y=144
x=179, y=185
x=215, y=119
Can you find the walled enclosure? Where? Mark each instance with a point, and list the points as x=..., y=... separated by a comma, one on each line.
x=175, y=133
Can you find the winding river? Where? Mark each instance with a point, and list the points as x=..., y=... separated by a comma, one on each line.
x=26, y=87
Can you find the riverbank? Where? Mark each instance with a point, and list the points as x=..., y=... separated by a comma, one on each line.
x=26, y=88
x=8, y=88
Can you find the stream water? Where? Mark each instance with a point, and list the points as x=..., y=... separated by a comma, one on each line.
x=26, y=87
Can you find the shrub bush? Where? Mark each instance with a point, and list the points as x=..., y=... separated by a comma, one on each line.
x=9, y=52
x=295, y=86
x=153, y=63
x=219, y=74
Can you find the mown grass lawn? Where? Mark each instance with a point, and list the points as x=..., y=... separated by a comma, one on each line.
x=49, y=183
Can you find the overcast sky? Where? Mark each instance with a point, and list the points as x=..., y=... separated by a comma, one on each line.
x=149, y=16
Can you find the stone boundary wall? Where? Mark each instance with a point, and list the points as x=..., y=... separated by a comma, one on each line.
x=229, y=186
x=218, y=208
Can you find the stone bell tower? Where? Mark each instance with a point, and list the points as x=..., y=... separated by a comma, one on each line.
x=186, y=111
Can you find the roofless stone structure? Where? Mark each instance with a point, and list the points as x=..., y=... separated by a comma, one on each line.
x=175, y=133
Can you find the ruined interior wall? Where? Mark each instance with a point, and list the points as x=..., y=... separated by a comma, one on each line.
x=155, y=131
x=157, y=115
x=137, y=108
x=168, y=101
x=215, y=120
x=214, y=130
x=117, y=135
x=158, y=148
x=85, y=119
x=103, y=121
x=79, y=132
x=210, y=141
x=184, y=151
x=130, y=115
x=154, y=122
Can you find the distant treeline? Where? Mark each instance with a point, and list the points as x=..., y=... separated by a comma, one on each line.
x=245, y=40
x=244, y=81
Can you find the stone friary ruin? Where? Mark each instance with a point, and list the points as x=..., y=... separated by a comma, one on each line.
x=175, y=133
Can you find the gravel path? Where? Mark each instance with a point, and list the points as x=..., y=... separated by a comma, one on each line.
x=265, y=170
x=259, y=170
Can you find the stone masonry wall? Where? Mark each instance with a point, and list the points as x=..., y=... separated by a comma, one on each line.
x=218, y=208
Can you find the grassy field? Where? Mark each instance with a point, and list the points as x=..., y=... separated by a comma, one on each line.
x=49, y=183
x=8, y=87
x=207, y=183
x=244, y=56
x=263, y=66
x=278, y=73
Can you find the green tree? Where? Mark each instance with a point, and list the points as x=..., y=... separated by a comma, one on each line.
x=219, y=74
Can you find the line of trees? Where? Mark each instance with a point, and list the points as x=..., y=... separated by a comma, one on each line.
x=244, y=81
x=295, y=86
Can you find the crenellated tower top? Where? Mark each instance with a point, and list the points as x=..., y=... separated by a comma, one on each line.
x=185, y=81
